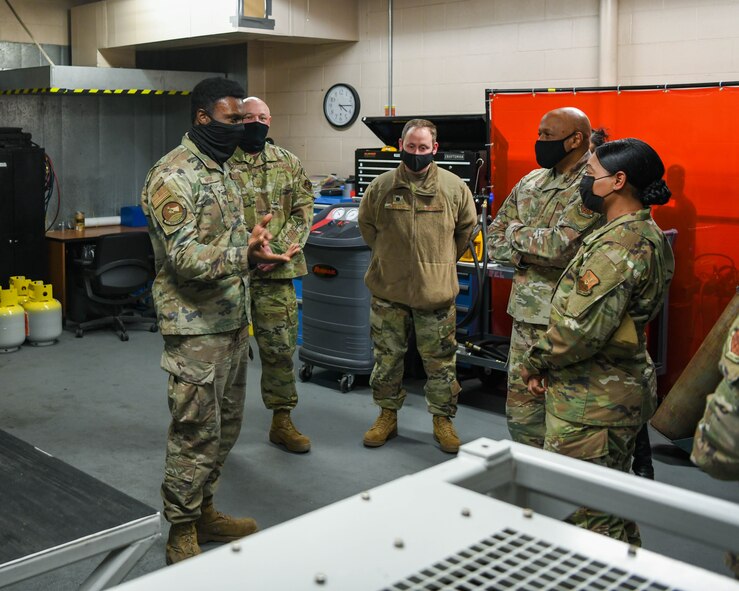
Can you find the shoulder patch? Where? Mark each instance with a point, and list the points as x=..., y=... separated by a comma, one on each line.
x=173, y=213
x=586, y=282
x=734, y=348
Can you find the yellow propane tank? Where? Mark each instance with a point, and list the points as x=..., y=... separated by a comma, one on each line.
x=20, y=284
x=44, y=315
x=12, y=321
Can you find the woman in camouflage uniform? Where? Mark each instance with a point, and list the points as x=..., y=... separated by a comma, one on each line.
x=592, y=364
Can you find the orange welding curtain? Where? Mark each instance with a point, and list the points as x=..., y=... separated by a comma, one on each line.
x=696, y=133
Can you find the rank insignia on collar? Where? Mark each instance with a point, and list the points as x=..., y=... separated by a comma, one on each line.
x=587, y=282
x=735, y=343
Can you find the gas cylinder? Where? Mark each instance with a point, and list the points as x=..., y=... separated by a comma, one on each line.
x=12, y=322
x=20, y=284
x=44, y=315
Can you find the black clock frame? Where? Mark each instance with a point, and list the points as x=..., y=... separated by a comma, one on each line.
x=354, y=117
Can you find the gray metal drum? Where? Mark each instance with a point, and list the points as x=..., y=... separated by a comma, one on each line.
x=336, y=303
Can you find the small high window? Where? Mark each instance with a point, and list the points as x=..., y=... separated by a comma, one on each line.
x=256, y=14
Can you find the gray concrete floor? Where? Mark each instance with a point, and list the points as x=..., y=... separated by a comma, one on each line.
x=100, y=405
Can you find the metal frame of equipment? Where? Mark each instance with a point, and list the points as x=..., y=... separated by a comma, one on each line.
x=488, y=519
x=125, y=545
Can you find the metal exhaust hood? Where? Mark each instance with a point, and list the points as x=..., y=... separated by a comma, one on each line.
x=90, y=80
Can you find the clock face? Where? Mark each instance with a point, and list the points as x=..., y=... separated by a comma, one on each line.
x=341, y=105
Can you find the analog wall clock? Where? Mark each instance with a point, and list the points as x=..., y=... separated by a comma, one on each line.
x=341, y=105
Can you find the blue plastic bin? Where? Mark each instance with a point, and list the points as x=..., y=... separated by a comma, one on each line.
x=132, y=215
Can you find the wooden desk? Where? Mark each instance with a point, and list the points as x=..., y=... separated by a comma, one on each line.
x=57, y=242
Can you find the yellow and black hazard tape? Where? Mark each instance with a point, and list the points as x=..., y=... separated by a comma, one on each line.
x=83, y=91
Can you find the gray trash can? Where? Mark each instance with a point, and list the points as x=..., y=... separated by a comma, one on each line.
x=336, y=303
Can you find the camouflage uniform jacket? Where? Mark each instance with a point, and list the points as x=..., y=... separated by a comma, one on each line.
x=275, y=182
x=417, y=232
x=538, y=229
x=594, y=351
x=716, y=444
x=196, y=225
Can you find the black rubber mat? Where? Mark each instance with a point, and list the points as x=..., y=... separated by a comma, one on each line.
x=45, y=502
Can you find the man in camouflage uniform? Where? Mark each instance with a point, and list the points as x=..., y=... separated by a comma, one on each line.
x=538, y=229
x=716, y=443
x=203, y=253
x=417, y=219
x=272, y=180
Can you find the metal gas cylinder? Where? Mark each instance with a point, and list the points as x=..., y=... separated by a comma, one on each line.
x=20, y=284
x=44, y=315
x=12, y=321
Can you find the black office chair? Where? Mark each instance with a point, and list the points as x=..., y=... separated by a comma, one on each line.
x=118, y=276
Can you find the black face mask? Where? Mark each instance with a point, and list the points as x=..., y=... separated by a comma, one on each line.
x=589, y=199
x=217, y=140
x=550, y=153
x=416, y=162
x=255, y=135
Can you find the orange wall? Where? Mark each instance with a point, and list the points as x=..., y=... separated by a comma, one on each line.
x=696, y=133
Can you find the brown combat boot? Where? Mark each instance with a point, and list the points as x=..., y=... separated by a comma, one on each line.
x=283, y=432
x=385, y=427
x=182, y=542
x=446, y=435
x=214, y=526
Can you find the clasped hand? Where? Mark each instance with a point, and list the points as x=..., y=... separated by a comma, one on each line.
x=536, y=383
x=258, y=249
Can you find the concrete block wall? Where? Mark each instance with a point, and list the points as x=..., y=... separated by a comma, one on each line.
x=46, y=19
x=447, y=52
x=678, y=41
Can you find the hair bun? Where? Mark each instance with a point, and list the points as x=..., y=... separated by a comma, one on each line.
x=656, y=193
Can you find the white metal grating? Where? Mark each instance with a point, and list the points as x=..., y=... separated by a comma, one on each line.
x=520, y=562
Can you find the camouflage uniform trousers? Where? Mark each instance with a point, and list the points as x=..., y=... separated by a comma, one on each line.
x=390, y=325
x=612, y=447
x=274, y=314
x=525, y=412
x=206, y=393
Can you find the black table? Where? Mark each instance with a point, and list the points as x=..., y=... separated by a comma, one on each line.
x=52, y=515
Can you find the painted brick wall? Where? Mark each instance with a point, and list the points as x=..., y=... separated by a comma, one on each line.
x=446, y=53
